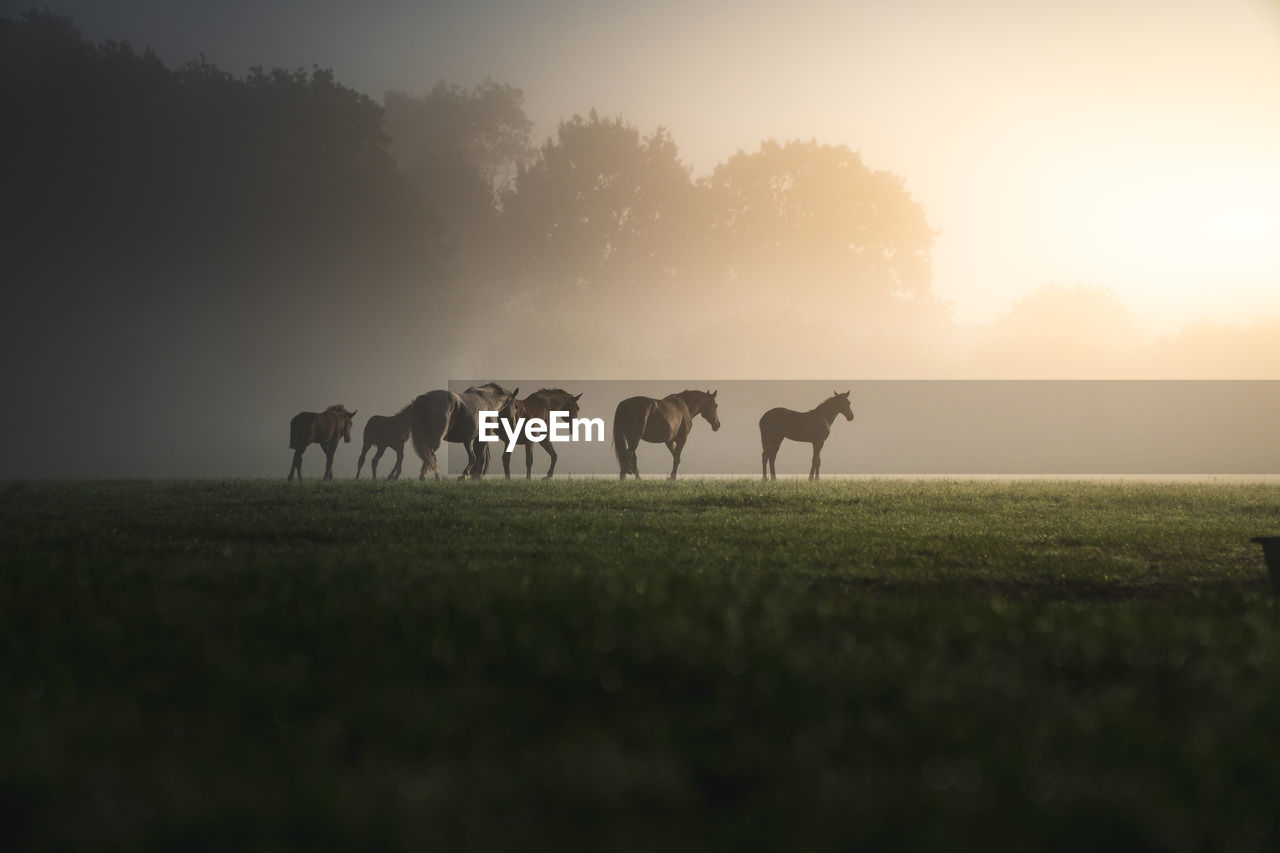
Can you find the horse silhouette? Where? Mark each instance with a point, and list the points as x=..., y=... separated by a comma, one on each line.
x=445, y=416
x=385, y=431
x=666, y=421
x=812, y=426
x=323, y=428
x=539, y=404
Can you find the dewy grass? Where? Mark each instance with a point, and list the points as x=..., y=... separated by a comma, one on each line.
x=604, y=665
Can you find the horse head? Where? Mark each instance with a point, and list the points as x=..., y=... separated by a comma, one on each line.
x=511, y=409
x=348, y=417
x=710, y=411
x=843, y=404
x=572, y=403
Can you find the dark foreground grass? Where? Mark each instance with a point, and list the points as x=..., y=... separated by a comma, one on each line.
x=639, y=666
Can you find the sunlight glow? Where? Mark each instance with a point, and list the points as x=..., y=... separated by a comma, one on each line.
x=1154, y=215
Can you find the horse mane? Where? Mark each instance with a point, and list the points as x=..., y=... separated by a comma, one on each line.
x=492, y=386
x=407, y=407
x=551, y=392
x=338, y=407
x=827, y=402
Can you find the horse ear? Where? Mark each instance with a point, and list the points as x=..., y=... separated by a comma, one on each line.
x=714, y=393
x=847, y=393
x=515, y=392
x=577, y=398
x=353, y=414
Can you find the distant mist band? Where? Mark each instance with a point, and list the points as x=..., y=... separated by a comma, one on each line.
x=946, y=427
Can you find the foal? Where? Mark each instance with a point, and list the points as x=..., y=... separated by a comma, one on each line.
x=385, y=431
x=323, y=428
x=813, y=426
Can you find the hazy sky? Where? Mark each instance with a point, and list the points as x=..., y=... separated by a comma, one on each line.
x=1133, y=145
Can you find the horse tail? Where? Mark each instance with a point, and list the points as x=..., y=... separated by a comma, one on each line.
x=425, y=430
x=619, y=439
x=299, y=432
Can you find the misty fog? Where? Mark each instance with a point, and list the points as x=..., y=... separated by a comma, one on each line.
x=193, y=257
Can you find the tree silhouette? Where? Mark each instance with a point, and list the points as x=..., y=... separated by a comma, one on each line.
x=182, y=238
x=809, y=218
x=600, y=222
x=485, y=127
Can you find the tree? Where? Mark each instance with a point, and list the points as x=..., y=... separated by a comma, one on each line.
x=602, y=217
x=460, y=147
x=810, y=218
x=486, y=125
x=184, y=241
x=1060, y=332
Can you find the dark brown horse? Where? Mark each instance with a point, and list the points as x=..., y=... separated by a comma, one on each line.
x=539, y=404
x=812, y=426
x=385, y=431
x=323, y=428
x=445, y=416
x=666, y=421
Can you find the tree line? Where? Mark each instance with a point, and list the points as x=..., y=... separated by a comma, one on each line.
x=180, y=238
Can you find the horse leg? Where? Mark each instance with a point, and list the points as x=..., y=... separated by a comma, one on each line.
x=395, y=472
x=329, y=450
x=296, y=465
x=477, y=459
x=506, y=464
x=547, y=446
x=360, y=462
x=772, y=455
x=473, y=463
x=373, y=468
x=632, y=458
x=675, y=447
x=817, y=461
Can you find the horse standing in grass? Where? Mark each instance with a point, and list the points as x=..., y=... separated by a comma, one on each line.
x=445, y=416
x=666, y=421
x=385, y=431
x=323, y=428
x=539, y=404
x=813, y=426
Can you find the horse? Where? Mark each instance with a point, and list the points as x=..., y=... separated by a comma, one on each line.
x=539, y=404
x=323, y=428
x=385, y=431
x=812, y=426
x=667, y=421
x=445, y=416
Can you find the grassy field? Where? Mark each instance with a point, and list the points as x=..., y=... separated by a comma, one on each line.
x=638, y=666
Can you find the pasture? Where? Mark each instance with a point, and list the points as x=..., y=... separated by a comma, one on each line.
x=637, y=666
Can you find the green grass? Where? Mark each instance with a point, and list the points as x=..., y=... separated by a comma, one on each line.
x=638, y=666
